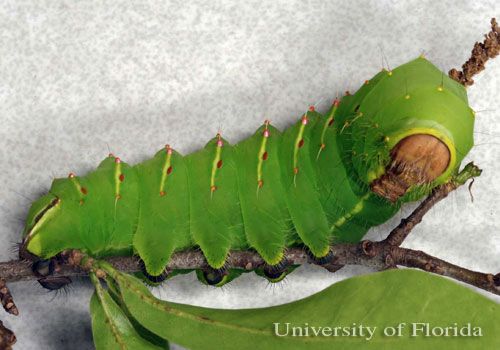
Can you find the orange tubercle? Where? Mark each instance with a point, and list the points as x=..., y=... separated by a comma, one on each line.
x=168, y=149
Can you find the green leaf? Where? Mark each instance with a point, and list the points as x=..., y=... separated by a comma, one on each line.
x=143, y=332
x=110, y=326
x=380, y=300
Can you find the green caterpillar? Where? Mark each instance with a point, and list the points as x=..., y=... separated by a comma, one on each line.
x=328, y=178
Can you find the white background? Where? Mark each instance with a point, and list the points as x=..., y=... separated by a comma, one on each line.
x=76, y=77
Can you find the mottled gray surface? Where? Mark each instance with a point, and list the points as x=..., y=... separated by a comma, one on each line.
x=77, y=77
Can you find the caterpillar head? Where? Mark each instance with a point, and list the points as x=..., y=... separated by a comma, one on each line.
x=418, y=159
x=416, y=128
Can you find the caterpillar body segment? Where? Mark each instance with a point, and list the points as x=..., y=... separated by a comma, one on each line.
x=266, y=219
x=215, y=214
x=328, y=178
x=163, y=208
x=299, y=182
x=349, y=211
x=348, y=116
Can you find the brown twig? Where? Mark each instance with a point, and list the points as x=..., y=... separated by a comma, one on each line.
x=481, y=53
x=7, y=338
x=379, y=255
x=400, y=232
x=386, y=256
x=6, y=299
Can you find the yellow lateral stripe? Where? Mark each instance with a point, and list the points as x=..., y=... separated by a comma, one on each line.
x=297, y=145
x=118, y=177
x=357, y=208
x=165, y=171
x=260, y=155
x=328, y=122
x=215, y=163
x=81, y=191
